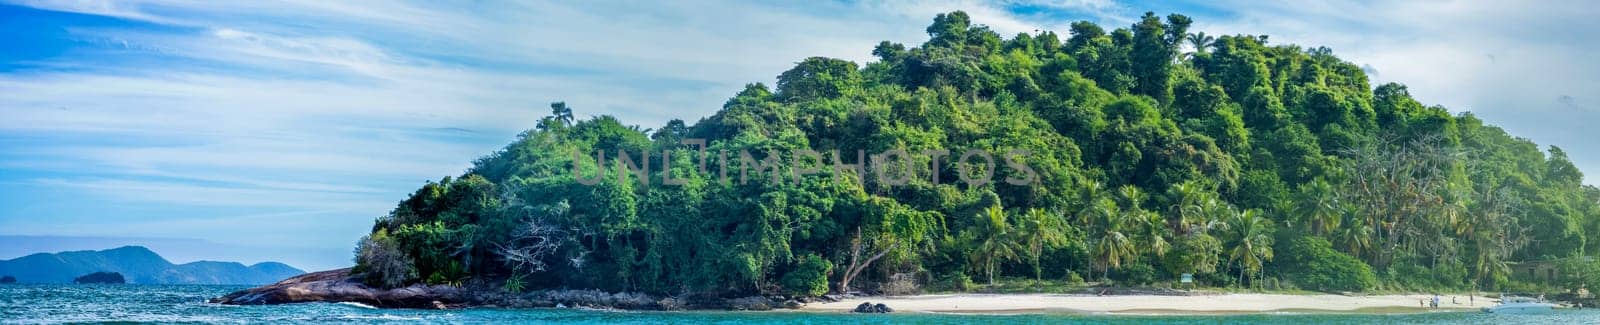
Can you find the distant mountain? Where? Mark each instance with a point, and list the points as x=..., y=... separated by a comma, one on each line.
x=184, y=250
x=141, y=266
x=211, y=272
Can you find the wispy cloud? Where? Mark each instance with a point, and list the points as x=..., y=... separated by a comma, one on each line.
x=333, y=111
x=254, y=121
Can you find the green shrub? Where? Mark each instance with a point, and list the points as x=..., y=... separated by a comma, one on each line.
x=954, y=281
x=1316, y=266
x=1073, y=278
x=809, y=277
x=514, y=284
x=1194, y=254
x=1134, y=274
x=1577, y=272
x=381, y=263
x=452, y=273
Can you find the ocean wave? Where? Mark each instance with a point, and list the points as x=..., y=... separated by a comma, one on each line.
x=382, y=317
x=357, y=304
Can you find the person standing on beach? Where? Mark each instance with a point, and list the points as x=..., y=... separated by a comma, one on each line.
x=1436, y=301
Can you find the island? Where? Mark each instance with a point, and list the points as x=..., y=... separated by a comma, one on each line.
x=980, y=172
x=8, y=279
x=100, y=278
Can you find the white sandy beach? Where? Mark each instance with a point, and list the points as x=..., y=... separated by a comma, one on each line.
x=1138, y=304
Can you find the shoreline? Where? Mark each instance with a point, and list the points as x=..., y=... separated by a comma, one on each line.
x=340, y=286
x=1218, y=304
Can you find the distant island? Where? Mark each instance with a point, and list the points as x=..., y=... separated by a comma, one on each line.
x=139, y=265
x=8, y=279
x=100, y=278
x=1140, y=157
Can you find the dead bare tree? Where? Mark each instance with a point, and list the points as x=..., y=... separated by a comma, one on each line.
x=1401, y=188
x=534, y=239
x=530, y=245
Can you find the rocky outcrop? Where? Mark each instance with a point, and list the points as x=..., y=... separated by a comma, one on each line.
x=100, y=278
x=339, y=286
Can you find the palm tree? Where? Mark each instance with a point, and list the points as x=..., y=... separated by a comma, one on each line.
x=998, y=243
x=1252, y=242
x=1214, y=214
x=1153, y=231
x=1188, y=208
x=560, y=116
x=1356, y=235
x=1141, y=223
x=1113, y=246
x=1320, y=203
x=1092, y=192
x=561, y=112
x=1132, y=196
x=1039, y=229
x=1201, y=42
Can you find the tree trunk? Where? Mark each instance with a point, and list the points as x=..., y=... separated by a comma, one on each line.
x=991, y=273
x=1241, y=274
x=1037, y=276
x=856, y=264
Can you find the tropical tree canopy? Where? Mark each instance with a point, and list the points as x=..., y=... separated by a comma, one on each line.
x=1130, y=155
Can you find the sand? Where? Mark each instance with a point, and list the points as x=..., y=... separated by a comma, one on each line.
x=1149, y=304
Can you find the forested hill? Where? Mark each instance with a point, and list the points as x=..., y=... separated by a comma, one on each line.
x=1153, y=152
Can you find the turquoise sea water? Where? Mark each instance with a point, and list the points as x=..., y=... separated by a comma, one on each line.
x=186, y=304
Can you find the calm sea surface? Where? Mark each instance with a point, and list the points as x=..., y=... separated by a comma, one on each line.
x=186, y=304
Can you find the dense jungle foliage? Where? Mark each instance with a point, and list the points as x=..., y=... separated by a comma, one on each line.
x=1157, y=152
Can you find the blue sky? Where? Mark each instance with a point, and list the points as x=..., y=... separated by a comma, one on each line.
x=280, y=130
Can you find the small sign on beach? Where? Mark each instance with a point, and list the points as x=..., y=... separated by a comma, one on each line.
x=1186, y=278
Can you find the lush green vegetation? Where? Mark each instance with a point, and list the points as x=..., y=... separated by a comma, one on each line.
x=1312, y=263
x=1154, y=152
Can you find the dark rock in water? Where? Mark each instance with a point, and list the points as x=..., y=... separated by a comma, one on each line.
x=8, y=279
x=340, y=286
x=869, y=308
x=100, y=277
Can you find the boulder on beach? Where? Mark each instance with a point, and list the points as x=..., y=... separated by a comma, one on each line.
x=869, y=308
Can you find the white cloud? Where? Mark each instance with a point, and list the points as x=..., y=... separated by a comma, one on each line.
x=334, y=107
x=331, y=109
